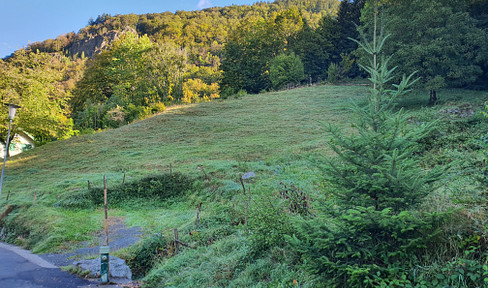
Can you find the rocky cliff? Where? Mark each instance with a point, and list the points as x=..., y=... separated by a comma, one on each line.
x=96, y=44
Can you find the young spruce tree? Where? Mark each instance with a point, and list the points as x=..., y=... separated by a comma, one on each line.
x=369, y=237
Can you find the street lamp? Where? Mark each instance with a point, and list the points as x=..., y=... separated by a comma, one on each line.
x=11, y=114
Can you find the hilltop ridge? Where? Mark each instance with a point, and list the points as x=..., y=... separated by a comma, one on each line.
x=207, y=25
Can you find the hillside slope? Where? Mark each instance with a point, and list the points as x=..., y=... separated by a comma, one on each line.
x=250, y=129
x=278, y=136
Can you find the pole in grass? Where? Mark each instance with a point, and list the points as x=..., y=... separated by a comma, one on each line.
x=105, y=250
x=11, y=114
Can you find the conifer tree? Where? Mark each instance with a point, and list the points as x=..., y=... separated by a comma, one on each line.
x=371, y=236
x=375, y=166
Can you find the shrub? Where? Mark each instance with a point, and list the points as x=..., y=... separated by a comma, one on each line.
x=286, y=69
x=79, y=200
x=268, y=224
x=195, y=90
x=346, y=65
x=332, y=73
x=364, y=247
x=160, y=187
x=157, y=107
x=299, y=202
x=145, y=254
x=227, y=92
x=241, y=93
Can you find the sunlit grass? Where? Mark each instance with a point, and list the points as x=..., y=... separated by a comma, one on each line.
x=276, y=135
x=252, y=128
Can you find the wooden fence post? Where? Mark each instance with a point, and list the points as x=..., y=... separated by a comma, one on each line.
x=198, y=215
x=106, y=208
x=176, y=241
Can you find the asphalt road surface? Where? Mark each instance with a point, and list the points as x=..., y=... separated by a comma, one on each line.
x=21, y=269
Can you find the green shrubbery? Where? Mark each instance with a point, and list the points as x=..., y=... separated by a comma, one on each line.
x=144, y=255
x=79, y=200
x=286, y=70
x=158, y=187
x=268, y=224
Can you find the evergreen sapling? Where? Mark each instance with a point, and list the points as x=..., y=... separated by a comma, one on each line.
x=370, y=235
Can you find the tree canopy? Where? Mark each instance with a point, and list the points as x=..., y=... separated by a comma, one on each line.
x=153, y=60
x=443, y=42
x=39, y=83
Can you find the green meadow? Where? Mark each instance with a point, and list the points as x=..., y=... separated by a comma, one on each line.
x=280, y=136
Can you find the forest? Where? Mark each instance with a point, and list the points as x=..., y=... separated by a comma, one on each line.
x=122, y=68
x=365, y=122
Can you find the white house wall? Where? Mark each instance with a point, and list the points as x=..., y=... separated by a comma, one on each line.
x=19, y=144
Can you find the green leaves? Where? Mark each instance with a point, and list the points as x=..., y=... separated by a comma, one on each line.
x=376, y=179
x=286, y=69
x=34, y=81
x=442, y=42
x=136, y=75
x=252, y=46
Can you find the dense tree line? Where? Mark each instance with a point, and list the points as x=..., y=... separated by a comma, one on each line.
x=186, y=57
x=445, y=41
x=255, y=43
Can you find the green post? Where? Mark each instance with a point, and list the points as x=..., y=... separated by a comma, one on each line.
x=104, y=267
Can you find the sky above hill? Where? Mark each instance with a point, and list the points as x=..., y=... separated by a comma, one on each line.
x=26, y=21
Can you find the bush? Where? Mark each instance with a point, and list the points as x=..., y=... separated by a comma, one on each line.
x=286, y=69
x=79, y=200
x=364, y=247
x=159, y=187
x=241, y=93
x=332, y=73
x=268, y=224
x=299, y=201
x=145, y=254
x=227, y=92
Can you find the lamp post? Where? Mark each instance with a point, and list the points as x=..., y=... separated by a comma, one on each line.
x=11, y=114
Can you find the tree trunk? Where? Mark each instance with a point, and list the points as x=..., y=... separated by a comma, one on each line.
x=433, y=97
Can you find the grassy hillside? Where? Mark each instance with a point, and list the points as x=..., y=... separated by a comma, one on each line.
x=255, y=129
x=278, y=136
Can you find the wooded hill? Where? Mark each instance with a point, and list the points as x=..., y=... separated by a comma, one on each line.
x=202, y=28
x=125, y=67
x=176, y=59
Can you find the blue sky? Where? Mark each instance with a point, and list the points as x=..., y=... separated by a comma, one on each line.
x=26, y=21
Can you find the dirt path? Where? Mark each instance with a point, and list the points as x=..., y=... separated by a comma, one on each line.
x=120, y=236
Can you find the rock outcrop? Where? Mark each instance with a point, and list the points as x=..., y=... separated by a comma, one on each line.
x=96, y=44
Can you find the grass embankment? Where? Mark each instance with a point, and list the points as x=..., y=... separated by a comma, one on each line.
x=275, y=135
x=223, y=138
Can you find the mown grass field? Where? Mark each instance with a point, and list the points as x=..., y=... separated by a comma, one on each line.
x=276, y=135
x=267, y=129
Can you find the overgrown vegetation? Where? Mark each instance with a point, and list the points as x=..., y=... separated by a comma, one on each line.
x=392, y=193
x=160, y=188
x=278, y=143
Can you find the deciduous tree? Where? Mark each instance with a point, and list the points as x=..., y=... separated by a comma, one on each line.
x=34, y=81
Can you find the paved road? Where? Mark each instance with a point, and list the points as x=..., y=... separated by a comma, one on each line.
x=21, y=269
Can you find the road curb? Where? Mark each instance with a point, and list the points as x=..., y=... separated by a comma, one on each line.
x=26, y=254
